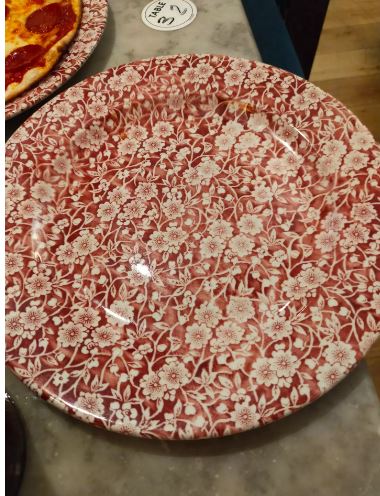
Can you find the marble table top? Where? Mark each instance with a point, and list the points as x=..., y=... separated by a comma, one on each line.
x=330, y=448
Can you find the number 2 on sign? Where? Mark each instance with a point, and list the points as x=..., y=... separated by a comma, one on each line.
x=182, y=12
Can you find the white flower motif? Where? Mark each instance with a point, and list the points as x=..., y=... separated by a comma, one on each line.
x=88, y=317
x=327, y=165
x=277, y=327
x=262, y=194
x=284, y=363
x=245, y=416
x=33, y=318
x=334, y=148
x=138, y=133
x=262, y=372
x=197, y=336
x=82, y=139
x=190, y=75
x=250, y=224
x=220, y=228
x=287, y=133
x=130, y=76
x=105, y=335
x=294, y=289
x=355, y=161
x=240, y=65
x=85, y=243
x=356, y=234
x=29, y=209
x=230, y=333
x=312, y=278
x=313, y=94
x=158, y=241
x=97, y=109
x=71, y=334
x=14, y=193
x=212, y=247
x=97, y=135
x=134, y=209
x=89, y=406
x=258, y=122
x=66, y=254
x=240, y=308
x=334, y=221
x=14, y=326
x=224, y=141
x=153, y=145
x=363, y=212
x=120, y=313
x=204, y=72
x=118, y=195
x=61, y=164
x=341, y=353
x=107, y=211
x=326, y=240
x=146, y=191
x=233, y=128
x=174, y=375
x=38, y=285
x=13, y=263
x=163, y=129
x=42, y=191
x=128, y=146
x=234, y=77
x=241, y=245
x=175, y=237
x=328, y=375
x=61, y=378
x=208, y=314
x=257, y=75
x=207, y=170
x=173, y=208
x=362, y=140
x=152, y=387
x=247, y=141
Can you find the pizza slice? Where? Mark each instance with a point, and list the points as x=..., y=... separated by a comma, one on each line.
x=36, y=34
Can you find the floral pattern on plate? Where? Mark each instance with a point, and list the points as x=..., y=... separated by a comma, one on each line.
x=93, y=22
x=192, y=246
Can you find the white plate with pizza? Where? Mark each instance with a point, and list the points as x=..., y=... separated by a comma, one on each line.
x=47, y=42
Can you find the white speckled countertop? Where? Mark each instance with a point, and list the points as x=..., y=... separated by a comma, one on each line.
x=330, y=448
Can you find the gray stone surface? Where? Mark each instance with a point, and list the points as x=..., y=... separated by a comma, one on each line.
x=332, y=447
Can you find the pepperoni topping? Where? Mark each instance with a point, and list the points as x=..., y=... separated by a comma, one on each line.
x=6, y=12
x=53, y=15
x=20, y=57
x=21, y=60
x=45, y=19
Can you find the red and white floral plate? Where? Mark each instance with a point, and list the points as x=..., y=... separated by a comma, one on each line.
x=93, y=21
x=192, y=246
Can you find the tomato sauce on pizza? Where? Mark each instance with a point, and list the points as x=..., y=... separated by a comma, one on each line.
x=37, y=32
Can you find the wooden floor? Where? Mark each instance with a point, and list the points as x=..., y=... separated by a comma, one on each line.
x=347, y=65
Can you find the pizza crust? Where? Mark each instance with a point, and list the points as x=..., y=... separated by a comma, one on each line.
x=51, y=57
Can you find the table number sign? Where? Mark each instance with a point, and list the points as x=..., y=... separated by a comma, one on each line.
x=169, y=15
